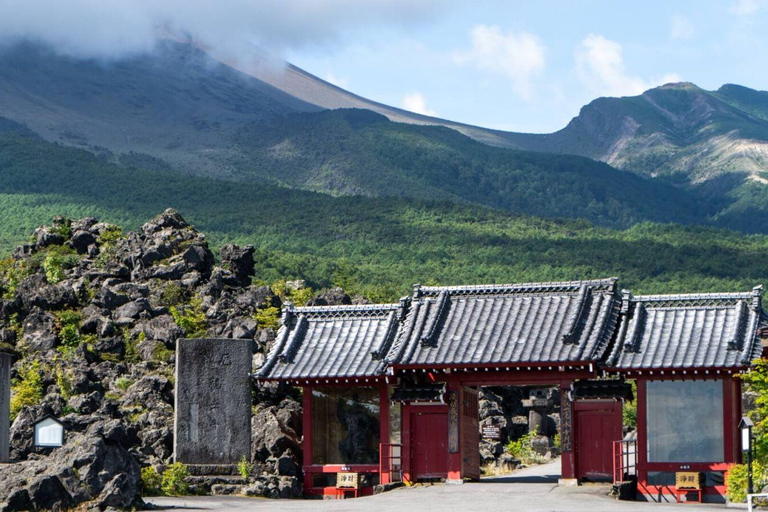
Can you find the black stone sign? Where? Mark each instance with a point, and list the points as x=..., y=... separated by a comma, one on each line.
x=5, y=405
x=213, y=401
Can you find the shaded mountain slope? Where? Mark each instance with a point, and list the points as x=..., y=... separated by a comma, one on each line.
x=375, y=246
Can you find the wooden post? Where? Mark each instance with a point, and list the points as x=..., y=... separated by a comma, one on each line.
x=406, y=450
x=567, y=437
x=731, y=417
x=641, y=457
x=306, y=444
x=455, y=475
x=383, y=427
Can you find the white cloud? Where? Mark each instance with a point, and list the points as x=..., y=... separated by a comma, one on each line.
x=105, y=28
x=745, y=7
x=415, y=102
x=682, y=28
x=600, y=65
x=519, y=56
x=336, y=80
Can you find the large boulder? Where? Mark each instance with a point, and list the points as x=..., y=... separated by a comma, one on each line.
x=40, y=331
x=35, y=291
x=274, y=433
x=333, y=297
x=239, y=261
x=88, y=468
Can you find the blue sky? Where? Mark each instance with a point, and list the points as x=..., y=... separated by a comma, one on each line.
x=513, y=65
x=530, y=66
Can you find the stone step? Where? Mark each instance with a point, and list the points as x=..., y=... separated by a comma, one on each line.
x=228, y=489
x=212, y=469
x=209, y=480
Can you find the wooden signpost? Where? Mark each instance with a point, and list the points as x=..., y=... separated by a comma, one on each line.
x=347, y=482
x=687, y=481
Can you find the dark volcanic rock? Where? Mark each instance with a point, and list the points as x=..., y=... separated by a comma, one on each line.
x=35, y=291
x=88, y=467
x=112, y=384
x=239, y=261
x=40, y=333
x=333, y=297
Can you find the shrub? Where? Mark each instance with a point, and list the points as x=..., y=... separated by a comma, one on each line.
x=736, y=481
x=123, y=383
x=57, y=260
x=151, y=482
x=191, y=318
x=162, y=354
x=244, y=467
x=522, y=449
x=298, y=296
x=107, y=242
x=131, y=349
x=69, y=327
x=12, y=273
x=267, y=316
x=173, y=295
x=64, y=381
x=27, y=389
x=629, y=409
x=174, y=480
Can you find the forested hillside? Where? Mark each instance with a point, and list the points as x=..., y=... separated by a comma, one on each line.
x=375, y=246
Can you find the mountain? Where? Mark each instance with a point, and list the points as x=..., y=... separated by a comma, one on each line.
x=377, y=246
x=674, y=154
x=178, y=109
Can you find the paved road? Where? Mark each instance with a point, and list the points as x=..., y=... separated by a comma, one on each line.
x=532, y=490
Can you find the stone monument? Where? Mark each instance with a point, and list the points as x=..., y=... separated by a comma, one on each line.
x=213, y=401
x=5, y=406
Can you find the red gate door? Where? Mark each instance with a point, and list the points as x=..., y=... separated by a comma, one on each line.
x=429, y=444
x=598, y=424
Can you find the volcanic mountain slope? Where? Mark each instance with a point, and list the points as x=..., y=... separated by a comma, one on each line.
x=178, y=109
x=176, y=104
x=677, y=131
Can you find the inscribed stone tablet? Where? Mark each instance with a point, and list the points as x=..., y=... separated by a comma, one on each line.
x=213, y=401
x=5, y=405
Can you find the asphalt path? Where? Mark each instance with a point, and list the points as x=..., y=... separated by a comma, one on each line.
x=531, y=489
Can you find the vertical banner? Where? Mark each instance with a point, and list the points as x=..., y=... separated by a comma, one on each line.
x=566, y=415
x=453, y=422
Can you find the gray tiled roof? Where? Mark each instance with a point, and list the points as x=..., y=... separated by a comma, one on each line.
x=332, y=341
x=570, y=321
x=688, y=331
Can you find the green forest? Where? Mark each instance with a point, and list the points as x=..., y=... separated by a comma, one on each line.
x=378, y=247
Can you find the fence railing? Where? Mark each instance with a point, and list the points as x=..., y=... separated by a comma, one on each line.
x=390, y=463
x=624, y=460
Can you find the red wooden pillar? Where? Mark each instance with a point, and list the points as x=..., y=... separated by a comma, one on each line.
x=641, y=456
x=731, y=418
x=306, y=444
x=567, y=437
x=455, y=466
x=406, y=450
x=383, y=426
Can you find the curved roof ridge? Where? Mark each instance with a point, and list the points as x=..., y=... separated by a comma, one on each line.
x=693, y=296
x=347, y=309
x=575, y=286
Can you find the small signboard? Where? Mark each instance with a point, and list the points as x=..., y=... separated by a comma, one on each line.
x=688, y=480
x=491, y=432
x=347, y=481
x=49, y=433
